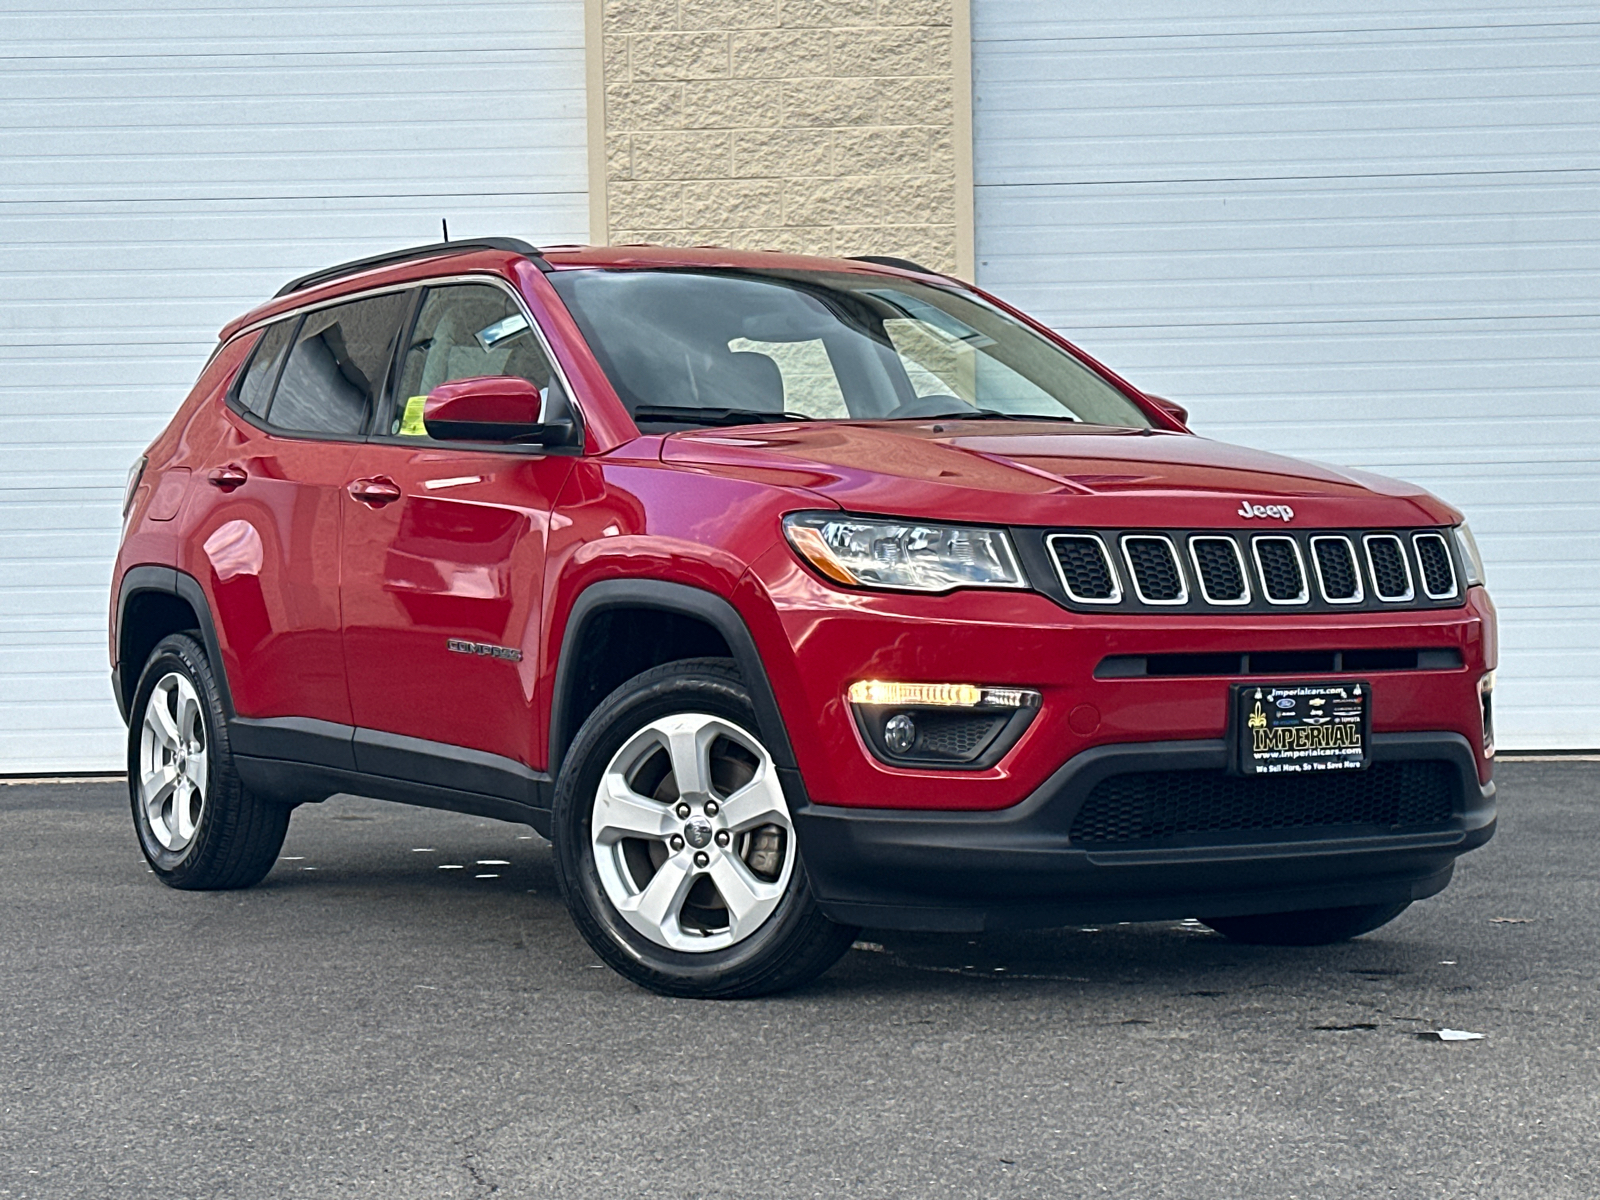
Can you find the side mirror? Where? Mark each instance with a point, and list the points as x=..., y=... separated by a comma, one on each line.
x=1176, y=411
x=496, y=408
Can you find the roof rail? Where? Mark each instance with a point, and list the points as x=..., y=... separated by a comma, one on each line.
x=885, y=260
x=511, y=245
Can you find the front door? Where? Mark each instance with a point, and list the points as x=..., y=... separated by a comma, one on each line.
x=444, y=547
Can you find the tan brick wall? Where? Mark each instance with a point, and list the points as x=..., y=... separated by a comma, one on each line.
x=815, y=126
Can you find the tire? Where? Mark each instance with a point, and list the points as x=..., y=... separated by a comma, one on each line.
x=618, y=831
x=1313, y=927
x=198, y=827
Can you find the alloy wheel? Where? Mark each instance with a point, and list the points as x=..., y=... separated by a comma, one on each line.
x=691, y=835
x=172, y=762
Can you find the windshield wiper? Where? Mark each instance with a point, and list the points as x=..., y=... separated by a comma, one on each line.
x=982, y=414
x=675, y=415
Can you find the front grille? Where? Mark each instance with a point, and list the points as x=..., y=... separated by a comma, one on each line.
x=1220, y=570
x=1282, y=577
x=1085, y=568
x=1254, y=570
x=1336, y=569
x=1148, y=806
x=1391, y=574
x=1156, y=575
x=1438, y=572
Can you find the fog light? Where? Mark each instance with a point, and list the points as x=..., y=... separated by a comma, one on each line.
x=900, y=733
x=1486, y=699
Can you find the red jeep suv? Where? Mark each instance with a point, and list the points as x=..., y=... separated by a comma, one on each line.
x=785, y=595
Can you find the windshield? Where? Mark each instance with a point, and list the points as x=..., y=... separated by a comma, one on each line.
x=703, y=347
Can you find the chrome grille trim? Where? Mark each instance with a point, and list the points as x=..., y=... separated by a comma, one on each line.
x=1172, y=556
x=1355, y=569
x=1304, y=595
x=1372, y=568
x=1417, y=539
x=1200, y=576
x=1105, y=557
x=1184, y=569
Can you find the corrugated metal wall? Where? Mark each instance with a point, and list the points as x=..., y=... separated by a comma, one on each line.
x=162, y=168
x=1359, y=232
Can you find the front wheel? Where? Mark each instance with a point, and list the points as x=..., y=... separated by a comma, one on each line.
x=675, y=850
x=1313, y=927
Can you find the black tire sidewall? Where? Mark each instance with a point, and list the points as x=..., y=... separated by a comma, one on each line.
x=182, y=655
x=656, y=694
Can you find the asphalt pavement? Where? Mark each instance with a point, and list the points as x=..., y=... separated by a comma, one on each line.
x=402, y=1009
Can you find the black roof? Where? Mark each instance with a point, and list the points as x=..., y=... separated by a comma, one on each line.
x=886, y=260
x=511, y=245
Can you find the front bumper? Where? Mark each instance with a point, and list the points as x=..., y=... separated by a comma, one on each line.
x=1018, y=867
x=816, y=640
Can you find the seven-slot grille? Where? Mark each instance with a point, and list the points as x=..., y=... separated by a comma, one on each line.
x=1256, y=571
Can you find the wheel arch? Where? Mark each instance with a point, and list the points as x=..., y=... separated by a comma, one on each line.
x=573, y=696
x=153, y=602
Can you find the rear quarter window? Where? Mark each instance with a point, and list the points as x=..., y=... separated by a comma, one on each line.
x=255, y=388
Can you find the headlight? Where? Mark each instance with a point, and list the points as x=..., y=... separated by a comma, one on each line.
x=903, y=555
x=1468, y=546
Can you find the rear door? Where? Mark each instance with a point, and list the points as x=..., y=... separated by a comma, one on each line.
x=444, y=558
x=266, y=531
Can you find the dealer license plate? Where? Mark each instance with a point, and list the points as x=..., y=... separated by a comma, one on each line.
x=1289, y=728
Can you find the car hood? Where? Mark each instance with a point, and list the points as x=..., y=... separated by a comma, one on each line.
x=1046, y=473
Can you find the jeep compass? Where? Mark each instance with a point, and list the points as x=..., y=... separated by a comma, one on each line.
x=785, y=595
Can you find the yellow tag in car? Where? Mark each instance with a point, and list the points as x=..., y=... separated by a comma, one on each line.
x=411, y=421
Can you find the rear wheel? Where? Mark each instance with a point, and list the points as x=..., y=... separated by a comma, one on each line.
x=674, y=845
x=1313, y=927
x=197, y=825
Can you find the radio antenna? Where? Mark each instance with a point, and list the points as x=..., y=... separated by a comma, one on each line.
x=444, y=224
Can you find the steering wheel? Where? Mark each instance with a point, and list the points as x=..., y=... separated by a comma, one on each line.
x=932, y=406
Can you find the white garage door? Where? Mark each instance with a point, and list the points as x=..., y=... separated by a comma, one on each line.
x=1355, y=231
x=164, y=167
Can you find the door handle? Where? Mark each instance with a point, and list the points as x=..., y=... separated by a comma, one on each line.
x=229, y=477
x=377, y=491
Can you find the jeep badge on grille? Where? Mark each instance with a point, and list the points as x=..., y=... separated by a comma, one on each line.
x=1282, y=511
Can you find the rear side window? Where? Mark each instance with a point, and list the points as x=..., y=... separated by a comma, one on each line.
x=255, y=389
x=336, y=371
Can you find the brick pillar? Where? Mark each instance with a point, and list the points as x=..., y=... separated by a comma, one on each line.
x=815, y=126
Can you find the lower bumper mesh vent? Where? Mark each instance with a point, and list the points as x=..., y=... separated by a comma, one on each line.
x=1148, y=805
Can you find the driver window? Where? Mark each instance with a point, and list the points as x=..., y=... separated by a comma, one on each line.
x=463, y=331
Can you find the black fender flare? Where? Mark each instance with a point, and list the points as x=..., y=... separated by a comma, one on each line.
x=690, y=602
x=172, y=582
